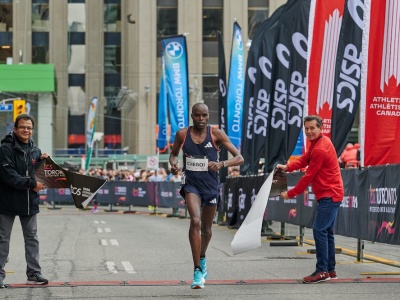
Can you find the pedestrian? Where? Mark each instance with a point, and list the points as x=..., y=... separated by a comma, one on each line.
x=19, y=195
x=323, y=173
x=200, y=181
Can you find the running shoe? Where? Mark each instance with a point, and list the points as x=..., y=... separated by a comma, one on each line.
x=203, y=265
x=198, y=280
x=316, y=277
x=332, y=274
x=36, y=279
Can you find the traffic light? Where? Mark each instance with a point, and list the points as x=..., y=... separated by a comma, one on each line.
x=19, y=107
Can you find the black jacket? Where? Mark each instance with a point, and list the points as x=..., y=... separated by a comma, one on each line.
x=17, y=177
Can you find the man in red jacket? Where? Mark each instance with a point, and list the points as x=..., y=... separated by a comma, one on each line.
x=323, y=173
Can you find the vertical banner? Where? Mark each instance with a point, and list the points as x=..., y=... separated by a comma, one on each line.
x=90, y=128
x=380, y=115
x=347, y=84
x=176, y=79
x=162, y=111
x=257, y=93
x=325, y=24
x=222, y=92
x=19, y=108
x=236, y=88
x=290, y=81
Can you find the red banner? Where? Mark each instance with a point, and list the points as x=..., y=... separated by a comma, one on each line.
x=326, y=20
x=381, y=107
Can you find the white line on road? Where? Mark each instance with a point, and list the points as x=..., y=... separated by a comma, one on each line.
x=107, y=229
x=128, y=267
x=99, y=230
x=96, y=222
x=114, y=242
x=103, y=222
x=104, y=242
x=111, y=267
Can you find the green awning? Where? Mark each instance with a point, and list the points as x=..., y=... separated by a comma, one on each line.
x=27, y=78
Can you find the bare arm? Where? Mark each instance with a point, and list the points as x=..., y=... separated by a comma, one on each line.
x=237, y=159
x=176, y=147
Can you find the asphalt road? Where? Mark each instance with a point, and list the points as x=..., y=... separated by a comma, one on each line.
x=115, y=255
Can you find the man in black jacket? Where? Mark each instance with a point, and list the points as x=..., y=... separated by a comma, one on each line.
x=19, y=197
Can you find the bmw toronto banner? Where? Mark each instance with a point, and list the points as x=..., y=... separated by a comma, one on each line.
x=325, y=21
x=176, y=77
x=347, y=84
x=380, y=104
x=162, y=111
x=257, y=93
x=236, y=87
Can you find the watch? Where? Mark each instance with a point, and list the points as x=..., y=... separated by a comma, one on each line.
x=224, y=164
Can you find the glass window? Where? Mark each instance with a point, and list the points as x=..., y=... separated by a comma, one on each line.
x=112, y=17
x=5, y=53
x=257, y=13
x=112, y=59
x=6, y=16
x=40, y=17
x=167, y=24
x=212, y=19
x=40, y=54
x=76, y=100
x=77, y=59
x=77, y=17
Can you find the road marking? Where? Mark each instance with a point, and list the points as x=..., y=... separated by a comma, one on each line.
x=111, y=267
x=99, y=230
x=104, y=242
x=128, y=267
x=114, y=242
x=96, y=222
x=103, y=222
x=107, y=229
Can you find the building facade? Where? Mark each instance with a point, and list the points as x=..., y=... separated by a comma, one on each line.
x=111, y=49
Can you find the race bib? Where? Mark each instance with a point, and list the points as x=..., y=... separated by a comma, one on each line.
x=196, y=164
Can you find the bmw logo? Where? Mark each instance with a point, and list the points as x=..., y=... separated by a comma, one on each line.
x=174, y=50
x=238, y=38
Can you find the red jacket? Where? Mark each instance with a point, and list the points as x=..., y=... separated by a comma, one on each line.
x=323, y=171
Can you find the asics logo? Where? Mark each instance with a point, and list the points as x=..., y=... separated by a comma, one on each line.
x=208, y=145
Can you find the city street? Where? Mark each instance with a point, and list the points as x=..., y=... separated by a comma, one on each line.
x=116, y=255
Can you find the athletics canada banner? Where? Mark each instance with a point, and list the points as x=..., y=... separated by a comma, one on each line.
x=325, y=21
x=380, y=105
x=347, y=85
x=236, y=87
x=176, y=80
x=257, y=93
x=83, y=188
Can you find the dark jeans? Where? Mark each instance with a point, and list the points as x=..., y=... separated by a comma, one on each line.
x=323, y=229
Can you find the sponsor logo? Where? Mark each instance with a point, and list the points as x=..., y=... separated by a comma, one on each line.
x=242, y=199
x=80, y=191
x=238, y=39
x=292, y=213
x=120, y=190
x=213, y=201
x=349, y=202
x=139, y=192
x=230, y=200
x=387, y=226
x=382, y=200
x=208, y=145
x=174, y=50
x=167, y=194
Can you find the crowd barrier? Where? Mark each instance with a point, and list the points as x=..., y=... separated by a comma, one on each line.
x=368, y=212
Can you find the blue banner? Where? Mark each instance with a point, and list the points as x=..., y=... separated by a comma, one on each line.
x=236, y=88
x=162, y=111
x=176, y=78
